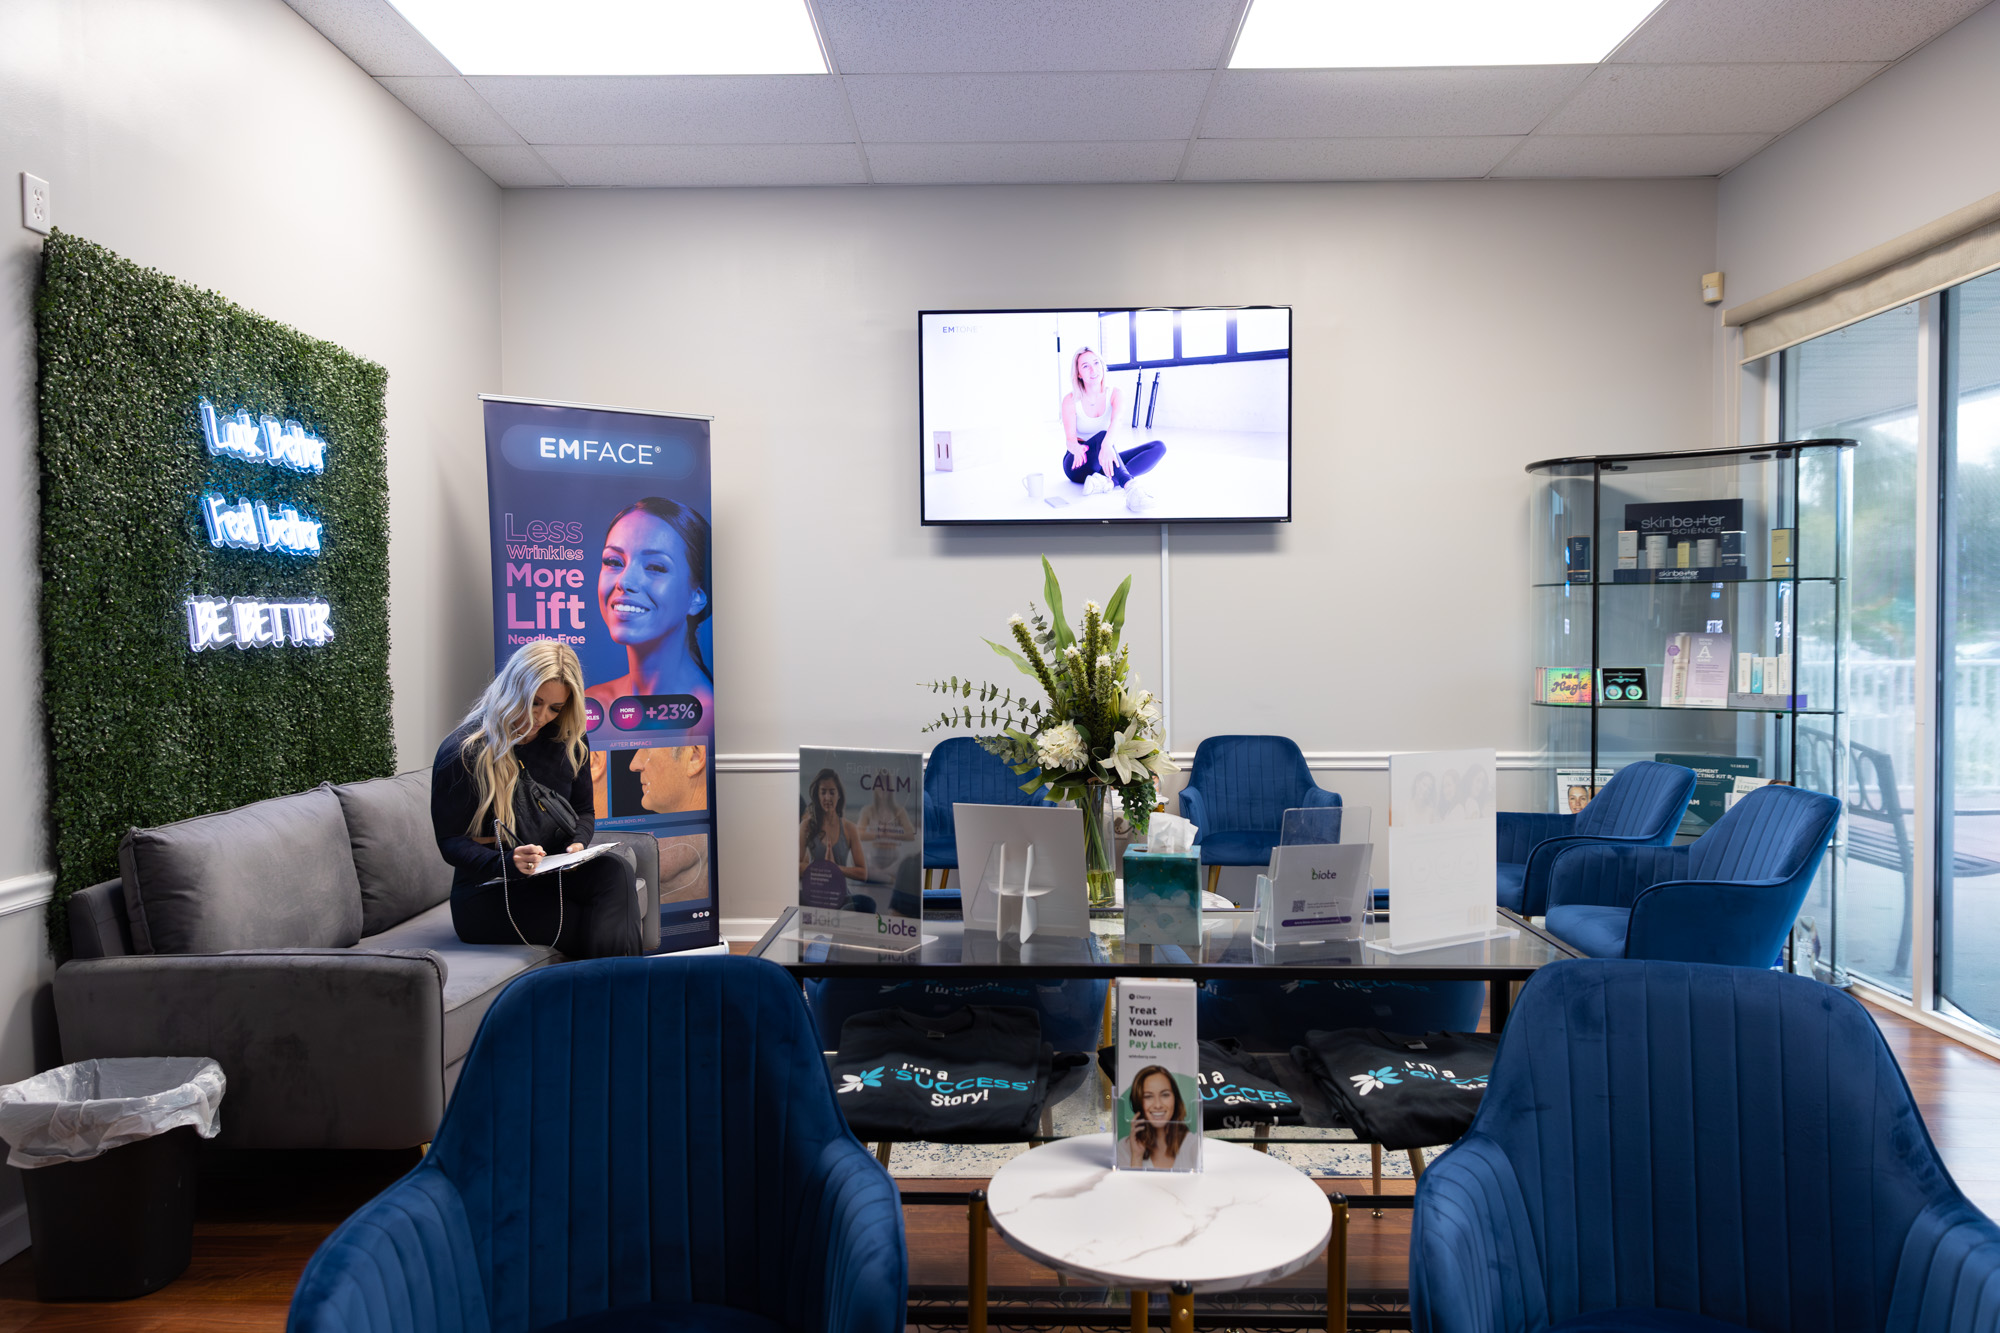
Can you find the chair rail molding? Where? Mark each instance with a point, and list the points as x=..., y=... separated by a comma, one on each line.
x=1325, y=761
x=26, y=891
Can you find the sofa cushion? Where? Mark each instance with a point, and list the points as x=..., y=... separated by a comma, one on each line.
x=475, y=974
x=396, y=857
x=273, y=875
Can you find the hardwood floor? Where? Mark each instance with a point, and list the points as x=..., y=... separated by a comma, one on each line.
x=260, y=1220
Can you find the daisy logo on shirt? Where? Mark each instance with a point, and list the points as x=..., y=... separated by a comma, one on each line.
x=867, y=1078
x=1374, y=1079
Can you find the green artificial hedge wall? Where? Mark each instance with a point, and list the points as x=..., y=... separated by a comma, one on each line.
x=141, y=730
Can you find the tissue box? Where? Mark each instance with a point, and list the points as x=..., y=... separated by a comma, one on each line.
x=1162, y=898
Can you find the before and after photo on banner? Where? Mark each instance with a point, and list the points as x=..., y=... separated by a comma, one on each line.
x=601, y=539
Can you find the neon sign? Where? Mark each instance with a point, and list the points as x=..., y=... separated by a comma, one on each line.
x=255, y=622
x=251, y=526
x=284, y=444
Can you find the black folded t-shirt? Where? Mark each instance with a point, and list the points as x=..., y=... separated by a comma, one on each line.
x=975, y=1075
x=1399, y=1090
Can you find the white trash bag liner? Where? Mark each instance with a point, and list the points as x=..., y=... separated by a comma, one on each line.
x=74, y=1113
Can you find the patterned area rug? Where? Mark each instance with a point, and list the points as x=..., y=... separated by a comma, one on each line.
x=957, y=1161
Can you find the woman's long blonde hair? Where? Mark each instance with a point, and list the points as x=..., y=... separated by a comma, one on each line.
x=501, y=718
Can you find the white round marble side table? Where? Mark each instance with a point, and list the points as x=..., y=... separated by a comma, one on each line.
x=1243, y=1220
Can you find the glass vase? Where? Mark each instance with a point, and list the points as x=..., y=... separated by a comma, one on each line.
x=1099, y=874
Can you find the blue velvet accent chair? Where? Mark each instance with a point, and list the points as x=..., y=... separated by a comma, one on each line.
x=959, y=770
x=1237, y=795
x=636, y=1145
x=1730, y=896
x=1680, y=1148
x=1641, y=806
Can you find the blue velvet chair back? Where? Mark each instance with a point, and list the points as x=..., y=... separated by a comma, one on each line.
x=1248, y=782
x=1772, y=833
x=1719, y=1141
x=628, y=1131
x=1640, y=800
x=958, y=770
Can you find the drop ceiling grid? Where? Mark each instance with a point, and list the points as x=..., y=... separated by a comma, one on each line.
x=1085, y=91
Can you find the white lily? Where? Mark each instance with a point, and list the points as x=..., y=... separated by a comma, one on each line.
x=1131, y=755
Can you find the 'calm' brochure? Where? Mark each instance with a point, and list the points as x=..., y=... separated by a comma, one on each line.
x=861, y=840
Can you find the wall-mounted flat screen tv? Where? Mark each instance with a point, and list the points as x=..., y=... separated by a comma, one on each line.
x=1163, y=414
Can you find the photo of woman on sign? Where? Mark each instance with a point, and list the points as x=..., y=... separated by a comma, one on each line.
x=1159, y=1122
x=652, y=592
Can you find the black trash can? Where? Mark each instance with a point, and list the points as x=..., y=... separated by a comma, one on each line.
x=107, y=1151
x=116, y=1226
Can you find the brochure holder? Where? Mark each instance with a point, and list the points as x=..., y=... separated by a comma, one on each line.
x=1318, y=888
x=1012, y=906
x=1045, y=898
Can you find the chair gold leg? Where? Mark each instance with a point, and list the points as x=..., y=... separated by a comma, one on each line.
x=1416, y=1163
x=1263, y=1141
x=1180, y=1308
x=1375, y=1168
x=1336, y=1268
x=944, y=879
x=882, y=1151
x=927, y=879
x=975, y=1277
x=1139, y=1315
x=1214, y=874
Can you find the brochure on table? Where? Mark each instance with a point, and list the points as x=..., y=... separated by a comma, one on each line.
x=1156, y=1114
x=1023, y=870
x=1316, y=892
x=861, y=839
x=1441, y=850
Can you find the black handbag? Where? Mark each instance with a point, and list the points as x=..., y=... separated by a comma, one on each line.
x=542, y=818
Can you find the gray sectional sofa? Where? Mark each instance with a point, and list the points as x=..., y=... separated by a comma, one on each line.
x=306, y=944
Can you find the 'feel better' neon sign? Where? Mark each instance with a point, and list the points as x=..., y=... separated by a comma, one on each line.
x=246, y=525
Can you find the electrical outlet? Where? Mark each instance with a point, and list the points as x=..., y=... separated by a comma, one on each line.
x=35, y=212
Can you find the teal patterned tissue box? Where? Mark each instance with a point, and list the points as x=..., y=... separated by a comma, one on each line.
x=1162, y=898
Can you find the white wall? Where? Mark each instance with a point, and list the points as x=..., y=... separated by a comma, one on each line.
x=229, y=145
x=1445, y=335
x=1903, y=150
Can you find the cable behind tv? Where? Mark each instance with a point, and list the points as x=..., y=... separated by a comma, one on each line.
x=1152, y=399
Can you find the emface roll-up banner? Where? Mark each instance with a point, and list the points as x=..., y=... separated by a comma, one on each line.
x=600, y=520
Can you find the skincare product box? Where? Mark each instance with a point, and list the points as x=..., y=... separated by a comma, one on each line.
x=1576, y=555
x=1162, y=898
x=1705, y=552
x=1656, y=552
x=1745, y=672
x=1624, y=685
x=1784, y=543
x=1628, y=548
x=1156, y=1112
x=1731, y=550
x=1564, y=685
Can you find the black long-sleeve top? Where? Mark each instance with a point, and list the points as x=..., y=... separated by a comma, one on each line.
x=455, y=795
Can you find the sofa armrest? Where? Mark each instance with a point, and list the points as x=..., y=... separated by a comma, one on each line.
x=98, y=926
x=1473, y=1264
x=406, y=1262
x=1595, y=874
x=323, y=1048
x=1194, y=810
x=850, y=1246
x=1737, y=923
x=1517, y=833
x=1317, y=797
x=645, y=849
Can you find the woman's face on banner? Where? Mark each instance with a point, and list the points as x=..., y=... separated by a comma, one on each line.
x=1156, y=1099
x=645, y=590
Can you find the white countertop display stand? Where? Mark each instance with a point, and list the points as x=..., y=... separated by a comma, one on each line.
x=1243, y=1220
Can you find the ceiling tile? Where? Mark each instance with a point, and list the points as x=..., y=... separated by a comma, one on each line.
x=1788, y=30
x=1022, y=108
x=452, y=108
x=1344, y=159
x=686, y=109
x=512, y=167
x=708, y=164
x=1704, y=99
x=1025, y=36
x=1386, y=103
x=1023, y=163
x=373, y=35
x=1604, y=155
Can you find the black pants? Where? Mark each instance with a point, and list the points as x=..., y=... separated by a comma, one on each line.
x=1134, y=462
x=599, y=909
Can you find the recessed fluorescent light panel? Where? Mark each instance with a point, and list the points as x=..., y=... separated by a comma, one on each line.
x=620, y=36
x=1376, y=34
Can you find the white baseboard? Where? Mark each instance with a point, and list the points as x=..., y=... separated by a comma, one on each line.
x=23, y=892
x=13, y=1231
x=1942, y=1024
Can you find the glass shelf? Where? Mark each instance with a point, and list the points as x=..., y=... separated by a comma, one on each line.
x=1706, y=584
x=1662, y=708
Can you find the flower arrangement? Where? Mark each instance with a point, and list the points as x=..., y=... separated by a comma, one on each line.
x=1093, y=731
